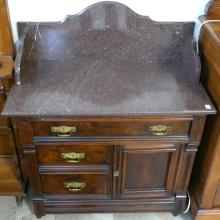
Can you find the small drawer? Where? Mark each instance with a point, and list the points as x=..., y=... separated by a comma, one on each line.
x=76, y=184
x=6, y=142
x=130, y=127
x=73, y=154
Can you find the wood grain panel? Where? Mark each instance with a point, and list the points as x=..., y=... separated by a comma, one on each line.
x=7, y=146
x=6, y=68
x=31, y=165
x=5, y=31
x=11, y=179
x=216, y=201
x=206, y=174
x=4, y=121
x=96, y=184
x=213, y=9
x=134, y=127
x=52, y=154
x=109, y=206
x=144, y=170
x=204, y=185
x=10, y=182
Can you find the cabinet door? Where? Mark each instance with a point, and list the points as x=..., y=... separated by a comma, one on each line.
x=145, y=171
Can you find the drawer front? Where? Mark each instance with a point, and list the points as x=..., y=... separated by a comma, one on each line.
x=6, y=142
x=159, y=127
x=76, y=184
x=73, y=154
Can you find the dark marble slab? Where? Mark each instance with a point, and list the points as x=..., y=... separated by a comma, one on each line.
x=107, y=60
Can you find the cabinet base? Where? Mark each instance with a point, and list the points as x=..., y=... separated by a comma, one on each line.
x=202, y=214
x=45, y=206
x=206, y=214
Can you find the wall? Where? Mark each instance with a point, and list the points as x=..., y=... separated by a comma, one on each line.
x=55, y=10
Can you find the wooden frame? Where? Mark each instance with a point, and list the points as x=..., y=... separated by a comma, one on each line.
x=6, y=45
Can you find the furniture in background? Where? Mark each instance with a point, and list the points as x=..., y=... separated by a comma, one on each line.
x=109, y=113
x=11, y=180
x=205, y=181
x=213, y=10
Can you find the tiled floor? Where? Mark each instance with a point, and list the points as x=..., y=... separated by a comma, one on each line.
x=9, y=211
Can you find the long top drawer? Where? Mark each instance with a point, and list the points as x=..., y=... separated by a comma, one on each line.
x=129, y=127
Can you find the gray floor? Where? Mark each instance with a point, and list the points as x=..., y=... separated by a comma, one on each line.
x=9, y=211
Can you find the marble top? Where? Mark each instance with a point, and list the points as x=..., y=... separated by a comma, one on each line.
x=108, y=60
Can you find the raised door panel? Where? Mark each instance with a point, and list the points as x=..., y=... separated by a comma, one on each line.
x=147, y=171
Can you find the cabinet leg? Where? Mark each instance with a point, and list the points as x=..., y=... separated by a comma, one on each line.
x=180, y=203
x=19, y=200
x=38, y=208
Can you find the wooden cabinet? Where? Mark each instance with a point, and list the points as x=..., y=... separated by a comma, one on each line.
x=11, y=181
x=205, y=182
x=109, y=172
x=109, y=113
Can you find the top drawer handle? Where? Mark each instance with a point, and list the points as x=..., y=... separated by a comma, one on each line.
x=160, y=130
x=63, y=131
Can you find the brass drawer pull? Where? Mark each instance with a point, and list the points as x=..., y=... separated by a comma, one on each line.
x=72, y=157
x=160, y=130
x=74, y=186
x=63, y=131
